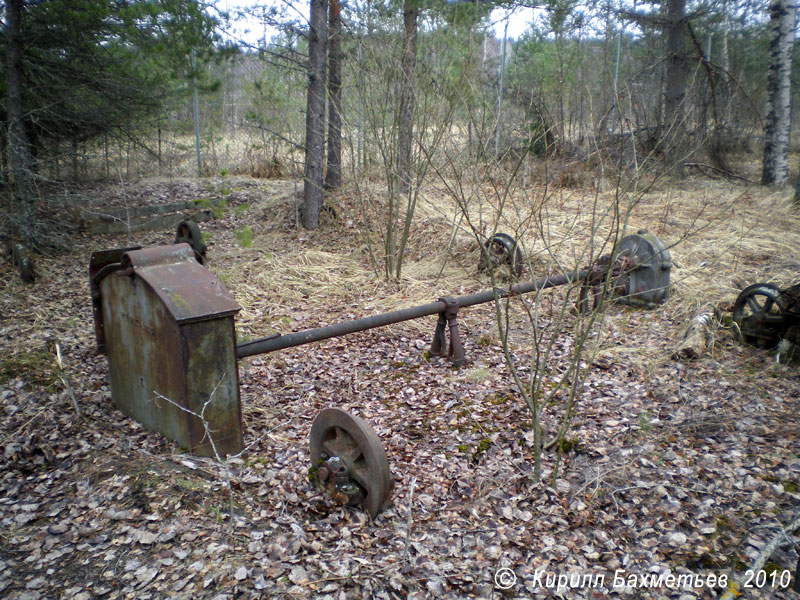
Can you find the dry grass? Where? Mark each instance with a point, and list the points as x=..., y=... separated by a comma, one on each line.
x=722, y=236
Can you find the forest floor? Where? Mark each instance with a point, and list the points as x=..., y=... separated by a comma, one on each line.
x=673, y=468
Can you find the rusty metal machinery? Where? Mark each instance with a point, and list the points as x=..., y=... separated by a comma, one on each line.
x=764, y=314
x=167, y=326
x=626, y=281
x=501, y=249
x=189, y=233
x=649, y=270
x=347, y=459
x=640, y=268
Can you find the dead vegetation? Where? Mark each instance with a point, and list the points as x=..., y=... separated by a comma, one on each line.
x=669, y=467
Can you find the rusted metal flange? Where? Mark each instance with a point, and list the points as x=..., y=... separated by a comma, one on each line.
x=347, y=458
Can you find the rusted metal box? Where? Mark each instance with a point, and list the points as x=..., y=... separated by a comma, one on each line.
x=167, y=324
x=648, y=283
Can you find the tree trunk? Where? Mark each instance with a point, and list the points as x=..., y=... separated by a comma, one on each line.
x=333, y=175
x=315, y=116
x=675, y=90
x=498, y=132
x=797, y=193
x=778, y=121
x=406, y=107
x=724, y=57
x=20, y=161
x=400, y=184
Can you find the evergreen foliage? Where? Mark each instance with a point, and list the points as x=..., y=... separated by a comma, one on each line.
x=94, y=67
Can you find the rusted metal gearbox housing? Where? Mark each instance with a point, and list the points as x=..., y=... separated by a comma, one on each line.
x=167, y=327
x=647, y=282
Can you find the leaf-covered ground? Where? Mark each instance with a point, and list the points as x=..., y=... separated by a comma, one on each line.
x=671, y=469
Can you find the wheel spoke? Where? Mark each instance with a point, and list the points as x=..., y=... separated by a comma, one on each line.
x=329, y=448
x=360, y=474
x=755, y=307
x=353, y=454
x=335, y=444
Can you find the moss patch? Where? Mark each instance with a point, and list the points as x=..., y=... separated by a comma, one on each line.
x=789, y=486
x=483, y=446
x=37, y=369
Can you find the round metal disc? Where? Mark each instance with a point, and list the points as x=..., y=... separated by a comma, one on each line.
x=188, y=232
x=758, y=312
x=338, y=433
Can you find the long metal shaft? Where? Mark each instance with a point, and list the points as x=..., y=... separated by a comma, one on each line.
x=279, y=342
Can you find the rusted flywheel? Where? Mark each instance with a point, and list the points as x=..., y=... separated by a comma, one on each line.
x=501, y=248
x=347, y=459
x=759, y=314
x=189, y=233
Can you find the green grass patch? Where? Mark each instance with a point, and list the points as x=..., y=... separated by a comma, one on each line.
x=245, y=236
x=219, y=206
x=496, y=399
x=189, y=484
x=644, y=421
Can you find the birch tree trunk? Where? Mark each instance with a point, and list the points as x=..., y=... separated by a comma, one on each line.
x=333, y=174
x=315, y=116
x=777, y=123
x=698, y=334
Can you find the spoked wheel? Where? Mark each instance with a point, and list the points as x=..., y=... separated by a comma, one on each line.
x=501, y=248
x=759, y=314
x=349, y=460
x=189, y=233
